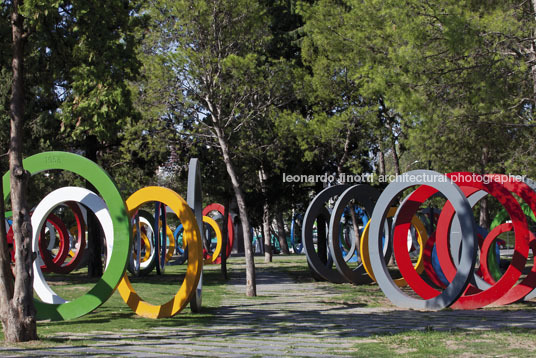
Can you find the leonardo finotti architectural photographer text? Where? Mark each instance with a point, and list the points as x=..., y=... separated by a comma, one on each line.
x=407, y=177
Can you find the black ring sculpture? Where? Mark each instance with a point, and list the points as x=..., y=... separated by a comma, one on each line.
x=133, y=267
x=367, y=196
x=317, y=208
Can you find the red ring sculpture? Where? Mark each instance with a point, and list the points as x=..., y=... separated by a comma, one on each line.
x=58, y=266
x=230, y=228
x=502, y=291
x=50, y=263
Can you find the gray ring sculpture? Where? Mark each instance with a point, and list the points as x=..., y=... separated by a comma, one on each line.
x=468, y=256
x=314, y=210
x=353, y=247
x=532, y=184
x=367, y=196
x=456, y=241
x=194, y=198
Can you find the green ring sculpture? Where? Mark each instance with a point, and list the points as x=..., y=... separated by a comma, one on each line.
x=114, y=271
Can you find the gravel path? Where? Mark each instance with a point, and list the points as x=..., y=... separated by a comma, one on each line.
x=286, y=319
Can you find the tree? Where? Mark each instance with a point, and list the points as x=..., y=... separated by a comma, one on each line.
x=346, y=94
x=214, y=48
x=71, y=66
x=17, y=311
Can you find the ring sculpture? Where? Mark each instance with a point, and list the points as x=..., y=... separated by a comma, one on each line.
x=422, y=238
x=56, y=308
x=160, y=236
x=76, y=256
x=55, y=225
x=452, y=259
x=456, y=241
x=47, y=243
x=195, y=198
x=315, y=210
x=113, y=215
x=212, y=258
x=51, y=263
x=193, y=271
x=144, y=234
x=349, y=242
x=230, y=227
x=367, y=196
x=477, y=295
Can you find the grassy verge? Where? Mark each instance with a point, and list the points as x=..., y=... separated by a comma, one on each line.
x=456, y=343
x=114, y=315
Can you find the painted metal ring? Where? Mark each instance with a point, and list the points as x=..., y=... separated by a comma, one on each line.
x=230, y=227
x=480, y=298
x=422, y=239
x=118, y=254
x=76, y=257
x=315, y=209
x=217, y=251
x=146, y=266
x=464, y=213
x=523, y=288
x=51, y=264
x=367, y=196
x=195, y=258
x=43, y=210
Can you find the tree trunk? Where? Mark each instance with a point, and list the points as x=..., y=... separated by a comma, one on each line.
x=18, y=311
x=532, y=54
x=281, y=234
x=396, y=160
x=381, y=160
x=266, y=232
x=356, y=229
x=484, y=219
x=322, y=244
x=6, y=276
x=344, y=157
x=225, y=239
x=265, y=218
x=251, y=289
x=94, y=267
x=484, y=214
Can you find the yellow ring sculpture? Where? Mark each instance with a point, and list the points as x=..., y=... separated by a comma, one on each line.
x=146, y=243
x=195, y=258
x=171, y=245
x=422, y=237
x=216, y=228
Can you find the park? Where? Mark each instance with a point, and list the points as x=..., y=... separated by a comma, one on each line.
x=268, y=178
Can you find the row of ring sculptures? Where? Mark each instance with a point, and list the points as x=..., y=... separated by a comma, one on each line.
x=134, y=239
x=454, y=264
x=440, y=258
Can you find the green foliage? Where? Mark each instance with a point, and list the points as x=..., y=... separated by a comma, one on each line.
x=80, y=60
x=295, y=87
x=455, y=74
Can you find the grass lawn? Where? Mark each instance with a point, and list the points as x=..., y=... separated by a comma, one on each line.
x=115, y=315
